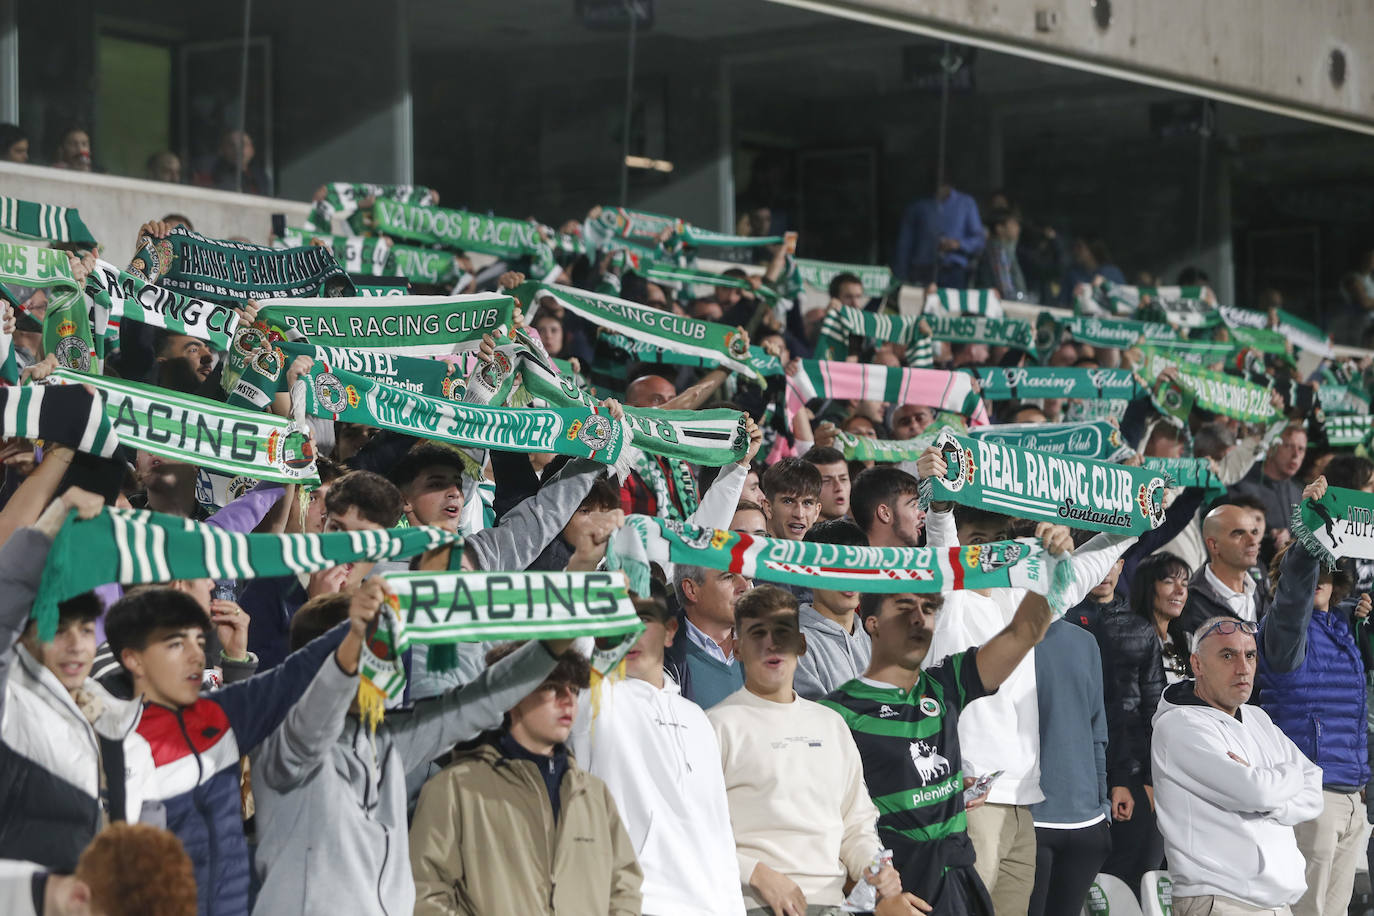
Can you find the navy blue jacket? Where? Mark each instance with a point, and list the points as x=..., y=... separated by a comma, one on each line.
x=196, y=751
x=1311, y=677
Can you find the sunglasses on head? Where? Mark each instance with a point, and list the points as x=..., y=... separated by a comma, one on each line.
x=1225, y=628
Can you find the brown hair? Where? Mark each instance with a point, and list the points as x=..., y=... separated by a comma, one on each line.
x=763, y=601
x=377, y=498
x=572, y=668
x=138, y=870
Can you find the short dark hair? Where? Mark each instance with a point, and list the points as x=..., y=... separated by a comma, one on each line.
x=318, y=616
x=376, y=498
x=424, y=455
x=329, y=470
x=133, y=619
x=824, y=455
x=572, y=669
x=791, y=476
x=603, y=495
x=871, y=603
x=1349, y=471
x=837, y=531
x=879, y=486
x=655, y=608
x=763, y=600
x=841, y=279
x=10, y=134
x=747, y=505
x=977, y=515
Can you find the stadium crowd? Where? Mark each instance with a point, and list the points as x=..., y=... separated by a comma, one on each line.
x=856, y=663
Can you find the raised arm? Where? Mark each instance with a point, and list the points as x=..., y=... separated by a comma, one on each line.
x=1000, y=655
x=1285, y=626
x=528, y=528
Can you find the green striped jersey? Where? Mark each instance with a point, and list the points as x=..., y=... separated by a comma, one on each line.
x=909, y=743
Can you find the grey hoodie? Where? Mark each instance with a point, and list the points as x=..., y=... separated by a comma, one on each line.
x=832, y=656
x=331, y=804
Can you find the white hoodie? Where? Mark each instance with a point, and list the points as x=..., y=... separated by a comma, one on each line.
x=1002, y=730
x=658, y=755
x=1228, y=827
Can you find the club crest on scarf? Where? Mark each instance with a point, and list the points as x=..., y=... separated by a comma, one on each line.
x=994, y=556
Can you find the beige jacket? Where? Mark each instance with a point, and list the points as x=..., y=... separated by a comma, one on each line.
x=484, y=842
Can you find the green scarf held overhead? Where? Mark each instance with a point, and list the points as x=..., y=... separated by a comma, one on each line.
x=818, y=274
x=1078, y=492
x=1015, y=333
x=34, y=222
x=696, y=237
x=690, y=276
x=66, y=325
x=710, y=438
x=1303, y=334
x=140, y=547
x=461, y=230
x=1181, y=306
x=341, y=201
x=1099, y=440
x=253, y=373
x=612, y=224
x=406, y=325
x=367, y=257
x=840, y=567
x=1262, y=339
x=763, y=362
x=334, y=394
x=425, y=265
x=1189, y=473
x=1348, y=431
x=1337, y=526
x=725, y=345
x=884, y=451
x=117, y=295
x=186, y=262
x=1196, y=353
x=187, y=429
x=1224, y=394
x=842, y=323
x=955, y=301
x=1338, y=398
x=66, y=414
x=444, y=609
x=378, y=287
x=1118, y=333
x=1018, y=383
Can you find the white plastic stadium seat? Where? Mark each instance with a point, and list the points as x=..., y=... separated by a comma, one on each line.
x=1157, y=894
x=1110, y=896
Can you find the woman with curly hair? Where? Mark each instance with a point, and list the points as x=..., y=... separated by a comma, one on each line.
x=1139, y=656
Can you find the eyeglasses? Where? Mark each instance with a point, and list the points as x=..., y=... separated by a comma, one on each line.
x=1224, y=628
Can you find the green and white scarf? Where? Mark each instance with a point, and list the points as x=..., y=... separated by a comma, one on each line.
x=818, y=274
x=1262, y=339
x=405, y=325
x=1348, y=431
x=378, y=287
x=1030, y=382
x=614, y=223
x=253, y=373
x=1023, y=483
x=1224, y=394
x=1015, y=333
x=461, y=230
x=1182, y=306
x=885, y=451
x=1303, y=334
x=335, y=394
x=342, y=198
x=725, y=345
x=1337, y=526
x=34, y=222
x=1196, y=353
x=444, y=609
x=697, y=237
x=66, y=324
x=953, y=301
x=367, y=257
x=184, y=428
x=1189, y=473
x=66, y=414
x=186, y=262
x=936, y=388
x=140, y=547
x=425, y=265
x=117, y=295
x=1099, y=440
x=1118, y=333
x=1337, y=397
x=763, y=362
x=842, y=323
x=690, y=277
x=840, y=567
x=704, y=437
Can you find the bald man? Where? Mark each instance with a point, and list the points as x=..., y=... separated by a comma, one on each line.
x=1230, y=583
x=661, y=486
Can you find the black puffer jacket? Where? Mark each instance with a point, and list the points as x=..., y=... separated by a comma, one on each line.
x=1132, y=681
